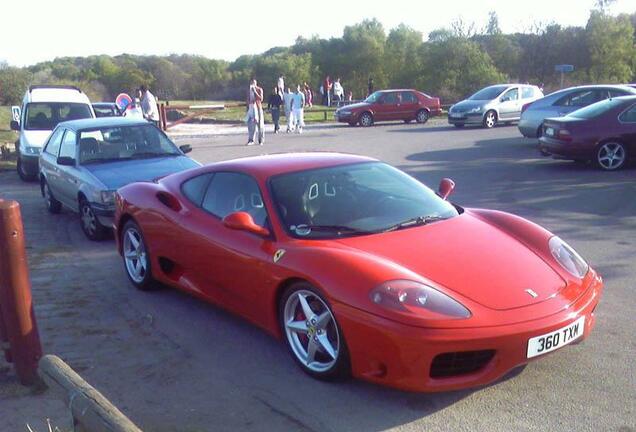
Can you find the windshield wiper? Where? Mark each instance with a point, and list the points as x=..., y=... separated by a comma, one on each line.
x=152, y=154
x=102, y=160
x=305, y=229
x=416, y=221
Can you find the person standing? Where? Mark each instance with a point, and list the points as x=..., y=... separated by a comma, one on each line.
x=281, y=85
x=289, y=114
x=326, y=97
x=338, y=92
x=133, y=110
x=298, y=106
x=254, y=118
x=370, y=87
x=309, y=96
x=273, y=105
x=149, y=105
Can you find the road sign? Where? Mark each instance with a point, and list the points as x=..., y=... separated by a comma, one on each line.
x=15, y=113
x=564, y=68
x=123, y=100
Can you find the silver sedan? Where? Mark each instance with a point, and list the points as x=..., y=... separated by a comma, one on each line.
x=84, y=162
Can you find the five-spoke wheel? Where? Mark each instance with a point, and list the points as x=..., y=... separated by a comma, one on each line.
x=136, y=257
x=611, y=156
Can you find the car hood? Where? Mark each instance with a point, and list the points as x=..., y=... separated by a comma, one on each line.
x=469, y=256
x=354, y=106
x=34, y=138
x=467, y=105
x=117, y=174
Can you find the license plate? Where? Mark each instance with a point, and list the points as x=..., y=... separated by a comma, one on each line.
x=455, y=115
x=554, y=340
x=549, y=131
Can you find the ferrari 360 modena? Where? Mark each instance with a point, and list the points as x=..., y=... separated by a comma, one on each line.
x=359, y=268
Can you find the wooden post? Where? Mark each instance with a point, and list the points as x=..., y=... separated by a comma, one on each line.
x=91, y=411
x=16, y=305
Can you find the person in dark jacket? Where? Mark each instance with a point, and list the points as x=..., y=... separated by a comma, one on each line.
x=273, y=105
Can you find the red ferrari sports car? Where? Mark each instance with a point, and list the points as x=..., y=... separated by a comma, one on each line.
x=360, y=268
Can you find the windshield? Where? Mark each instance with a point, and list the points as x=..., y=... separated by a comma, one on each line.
x=353, y=199
x=46, y=115
x=596, y=109
x=489, y=93
x=124, y=142
x=374, y=97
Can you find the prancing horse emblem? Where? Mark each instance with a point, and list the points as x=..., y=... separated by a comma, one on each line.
x=278, y=255
x=532, y=293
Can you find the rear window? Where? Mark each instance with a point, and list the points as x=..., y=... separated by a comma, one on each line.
x=527, y=92
x=47, y=115
x=580, y=98
x=596, y=109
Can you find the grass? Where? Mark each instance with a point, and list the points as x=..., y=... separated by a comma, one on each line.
x=6, y=136
x=237, y=114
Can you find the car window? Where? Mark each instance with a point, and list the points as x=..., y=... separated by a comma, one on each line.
x=580, y=98
x=628, y=116
x=617, y=93
x=408, y=97
x=53, y=146
x=195, y=188
x=67, y=148
x=512, y=94
x=595, y=109
x=232, y=192
x=390, y=98
x=527, y=92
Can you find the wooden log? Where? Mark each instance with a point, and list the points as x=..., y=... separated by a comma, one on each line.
x=90, y=410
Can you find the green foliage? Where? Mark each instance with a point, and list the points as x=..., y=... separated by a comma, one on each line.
x=13, y=82
x=611, y=47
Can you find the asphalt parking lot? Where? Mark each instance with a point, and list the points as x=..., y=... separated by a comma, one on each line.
x=173, y=363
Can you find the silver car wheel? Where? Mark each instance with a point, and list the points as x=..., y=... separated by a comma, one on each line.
x=490, y=120
x=366, y=120
x=422, y=116
x=47, y=195
x=311, y=331
x=611, y=156
x=89, y=220
x=135, y=255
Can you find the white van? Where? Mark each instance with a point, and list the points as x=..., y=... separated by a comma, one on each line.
x=43, y=107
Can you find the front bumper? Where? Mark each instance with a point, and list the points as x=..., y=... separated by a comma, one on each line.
x=528, y=129
x=30, y=164
x=564, y=149
x=396, y=355
x=346, y=118
x=104, y=213
x=465, y=118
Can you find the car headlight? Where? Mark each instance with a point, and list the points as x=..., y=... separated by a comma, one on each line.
x=569, y=259
x=108, y=197
x=475, y=110
x=344, y=112
x=412, y=297
x=32, y=150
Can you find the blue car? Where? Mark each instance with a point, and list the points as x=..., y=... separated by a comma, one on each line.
x=84, y=162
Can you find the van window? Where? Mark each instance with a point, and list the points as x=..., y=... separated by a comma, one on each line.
x=46, y=115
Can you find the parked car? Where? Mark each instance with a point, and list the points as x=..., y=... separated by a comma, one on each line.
x=360, y=268
x=85, y=161
x=564, y=102
x=604, y=133
x=106, y=109
x=386, y=105
x=43, y=107
x=500, y=103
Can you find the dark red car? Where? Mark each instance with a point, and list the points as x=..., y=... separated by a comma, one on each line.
x=388, y=105
x=604, y=133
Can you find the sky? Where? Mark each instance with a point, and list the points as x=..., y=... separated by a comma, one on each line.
x=40, y=30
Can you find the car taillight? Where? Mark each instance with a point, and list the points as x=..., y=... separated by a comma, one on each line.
x=525, y=107
x=565, y=135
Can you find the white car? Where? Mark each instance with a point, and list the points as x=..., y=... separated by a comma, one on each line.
x=43, y=107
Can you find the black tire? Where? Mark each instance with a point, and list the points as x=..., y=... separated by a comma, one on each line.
x=147, y=282
x=24, y=176
x=407, y=121
x=341, y=367
x=615, y=149
x=52, y=205
x=89, y=222
x=366, y=119
x=422, y=116
x=490, y=119
x=459, y=125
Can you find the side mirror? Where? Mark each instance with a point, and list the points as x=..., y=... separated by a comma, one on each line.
x=15, y=125
x=243, y=221
x=186, y=148
x=65, y=161
x=446, y=187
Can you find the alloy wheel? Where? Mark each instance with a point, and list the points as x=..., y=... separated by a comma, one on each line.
x=135, y=256
x=611, y=156
x=366, y=120
x=89, y=220
x=490, y=120
x=422, y=117
x=311, y=331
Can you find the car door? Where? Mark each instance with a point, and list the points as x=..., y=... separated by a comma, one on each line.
x=510, y=104
x=627, y=121
x=387, y=108
x=231, y=268
x=408, y=106
x=48, y=161
x=68, y=182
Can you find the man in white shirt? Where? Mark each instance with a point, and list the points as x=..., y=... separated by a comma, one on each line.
x=338, y=92
x=149, y=105
x=298, y=106
x=289, y=114
x=281, y=85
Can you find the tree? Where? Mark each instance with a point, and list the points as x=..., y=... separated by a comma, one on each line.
x=13, y=83
x=611, y=48
x=402, y=62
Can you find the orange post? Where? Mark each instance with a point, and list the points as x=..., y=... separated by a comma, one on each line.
x=16, y=305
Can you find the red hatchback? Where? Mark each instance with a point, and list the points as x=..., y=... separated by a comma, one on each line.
x=388, y=105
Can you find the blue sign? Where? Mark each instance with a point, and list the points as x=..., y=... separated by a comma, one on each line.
x=564, y=68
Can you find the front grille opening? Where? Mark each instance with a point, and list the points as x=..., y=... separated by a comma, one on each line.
x=460, y=363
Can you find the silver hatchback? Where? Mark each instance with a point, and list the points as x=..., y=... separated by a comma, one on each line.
x=84, y=162
x=500, y=103
x=563, y=102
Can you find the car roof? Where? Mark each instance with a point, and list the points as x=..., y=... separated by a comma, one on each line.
x=56, y=94
x=95, y=123
x=281, y=163
x=595, y=86
x=104, y=104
